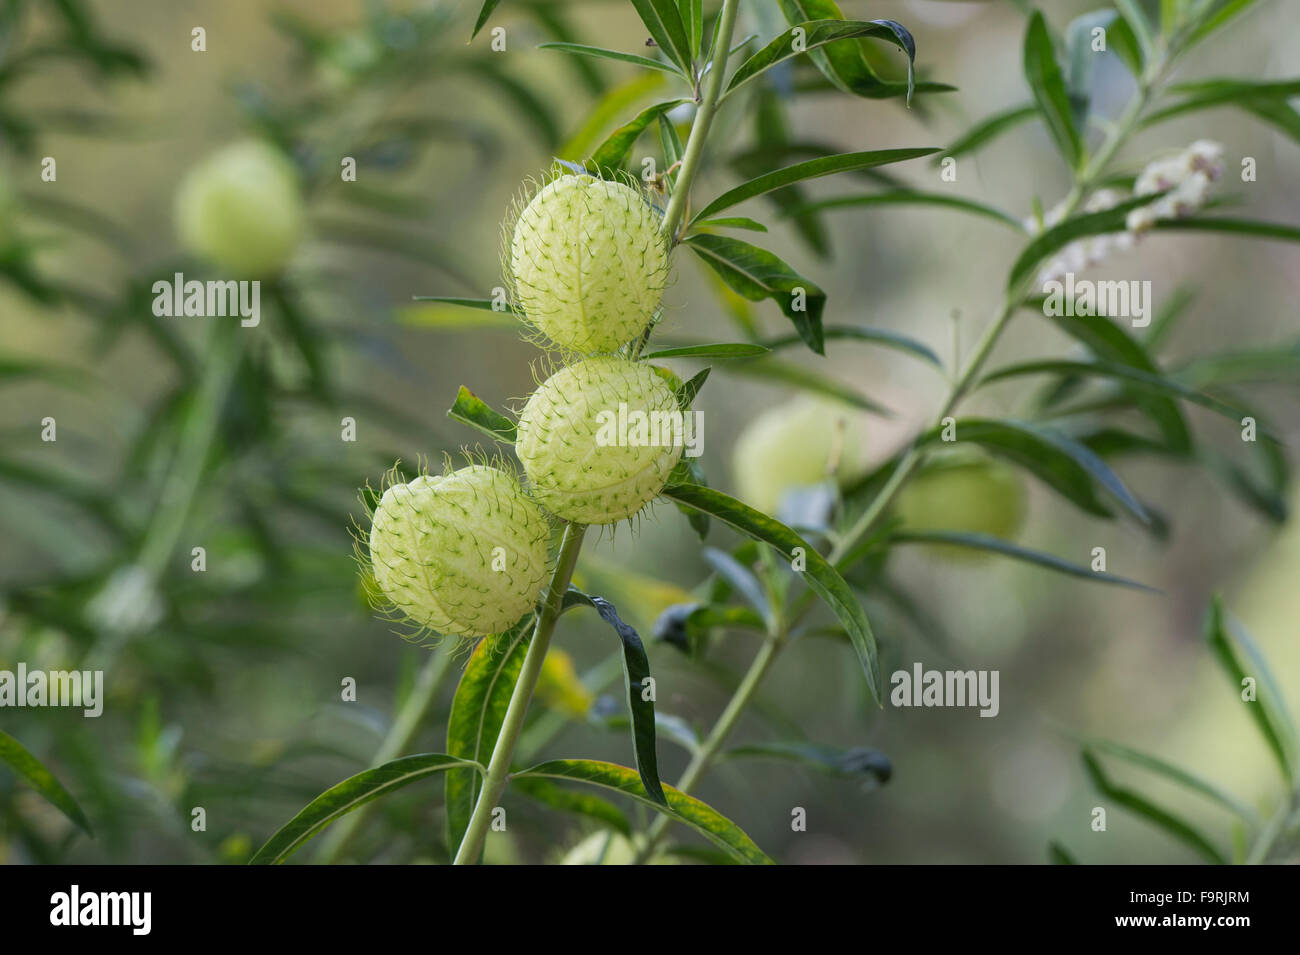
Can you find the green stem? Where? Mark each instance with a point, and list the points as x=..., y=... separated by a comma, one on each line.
x=708, y=751
x=498, y=770
x=412, y=713
x=703, y=120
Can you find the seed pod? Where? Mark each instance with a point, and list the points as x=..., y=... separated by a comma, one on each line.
x=793, y=446
x=588, y=263
x=597, y=439
x=242, y=209
x=967, y=494
x=463, y=554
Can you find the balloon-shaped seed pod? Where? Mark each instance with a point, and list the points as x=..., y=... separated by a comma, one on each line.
x=587, y=263
x=804, y=442
x=463, y=554
x=242, y=209
x=599, y=438
x=967, y=494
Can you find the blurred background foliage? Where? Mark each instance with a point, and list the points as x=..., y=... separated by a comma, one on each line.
x=224, y=687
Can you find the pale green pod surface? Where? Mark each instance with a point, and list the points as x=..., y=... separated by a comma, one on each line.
x=795, y=445
x=974, y=495
x=588, y=263
x=598, y=439
x=242, y=209
x=463, y=554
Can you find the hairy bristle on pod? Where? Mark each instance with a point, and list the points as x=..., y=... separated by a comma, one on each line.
x=599, y=438
x=587, y=263
x=463, y=553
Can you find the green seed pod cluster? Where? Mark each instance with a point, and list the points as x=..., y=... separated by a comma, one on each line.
x=583, y=445
x=967, y=494
x=463, y=554
x=793, y=446
x=587, y=263
x=242, y=209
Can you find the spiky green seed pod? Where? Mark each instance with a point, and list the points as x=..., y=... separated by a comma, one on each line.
x=588, y=263
x=967, y=494
x=790, y=446
x=242, y=209
x=583, y=445
x=462, y=554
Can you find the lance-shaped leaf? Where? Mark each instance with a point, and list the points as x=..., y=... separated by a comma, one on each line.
x=997, y=545
x=1175, y=774
x=612, y=154
x=805, y=379
x=484, y=13
x=908, y=197
x=664, y=21
x=348, y=795
x=811, y=169
x=16, y=756
x=985, y=131
x=566, y=800
x=582, y=49
x=712, y=350
x=1059, y=461
x=1137, y=803
x=855, y=761
x=1047, y=82
x=1204, y=94
x=757, y=274
x=821, y=577
x=814, y=34
x=473, y=411
x=1247, y=227
x=636, y=676
x=1241, y=659
x=477, y=711
x=863, y=333
x=678, y=806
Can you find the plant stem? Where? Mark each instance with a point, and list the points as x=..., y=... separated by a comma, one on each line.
x=703, y=120
x=708, y=750
x=498, y=770
x=412, y=713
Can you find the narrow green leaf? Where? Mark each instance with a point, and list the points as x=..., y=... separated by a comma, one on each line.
x=1080, y=59
x=824, y=579
x=757, y=274
x=1246, y=227
x=910, y=197
x=714, y=350
x=986, y=130
x=612, y=154
x=740, y=577
x=1137, y=22
x=877, y=336
x=845, y=65
x=566, y=800
x=16, y=756
x=1174, y=774
x=473, y=411
x=477, y=711
x=812, y=169
x=1223, y=11
x=1241, y=659
x=483, y=14
x=1223, y=92
x=768, y=368
x=1059, y=461
x=664, y=21
x=731, y=222
x=815, y=34
x=1048, y=85
x=856, y=761
x=1140, y=805
x=348, y=795
x=679, y=807
x=1057, y=854
x=583, y=49
x=996, y=545
x=636, y=673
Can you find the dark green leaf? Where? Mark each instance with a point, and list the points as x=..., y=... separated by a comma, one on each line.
x=757, y=274
x=1043, y=73
x=1136, y=803
x=636, y=673
x=878, y=336
x=612, y=154
x=812, y=169
x=477, y=710
x=731, y=222
x=483, y=14
x=664, y=21
x=1247, y=227
x=1139, y=25
x=824, y=580
x=473, y=411
x=1007, y=549
x=1057, y=854
x=1174, y=774
x=348, y=795
x=908, y=197
x=1224, y=92
x=15, y=755
x=717, y=350
x=985, y=130
x=679, y=806
x=583, y=50
x=1240, y=658
x=566, y=800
